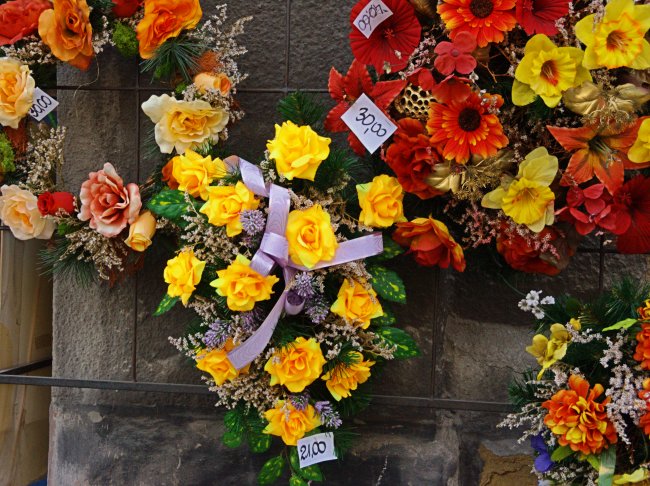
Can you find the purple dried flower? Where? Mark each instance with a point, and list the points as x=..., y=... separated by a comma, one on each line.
x=251, y=320
x=217, y=334
x=328, y=416
x=317, y=311
x=253, y=222
x=303, y=285
x=299, y=402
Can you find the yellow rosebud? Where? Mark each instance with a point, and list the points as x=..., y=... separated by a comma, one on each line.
x=549, y=351
x=225, y=204
x=381, y=202
x=296, y=365
x=183, y=273
x=297, y=150
x=242, y=286
x=216, y=363
x=194, y=173
x=290, y=423
x=357, y=303
x=141, y=232
x=310, y=236
x=218, y=82
x=343, y=378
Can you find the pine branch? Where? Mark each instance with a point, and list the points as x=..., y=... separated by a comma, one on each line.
x=52, y=262
x=302, y=109
x=177, y=56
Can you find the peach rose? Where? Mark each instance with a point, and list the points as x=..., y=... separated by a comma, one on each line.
x=164, y=19
x=107, y=203
x=19, y=211
x=66, y=30
x=16, y=91
x=19, y=18
x=217, y=82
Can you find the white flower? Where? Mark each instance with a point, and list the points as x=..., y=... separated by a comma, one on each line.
x=19, y=211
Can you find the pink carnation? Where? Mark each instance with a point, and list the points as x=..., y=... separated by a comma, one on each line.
x=107, y=203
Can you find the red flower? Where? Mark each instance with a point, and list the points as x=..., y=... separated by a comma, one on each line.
x=49, y=203
x=346, y=90
x=486, y=20
x=539, y=16
x=635, y=197
x=412, y=158
x=456, y=55
x=600, y=210
x=392, y=42
x=126, y=8
x=423, y=78
x=19, y=18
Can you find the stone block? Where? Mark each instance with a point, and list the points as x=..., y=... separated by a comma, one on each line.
x=109, y=70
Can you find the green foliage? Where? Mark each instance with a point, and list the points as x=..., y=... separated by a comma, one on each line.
x=340, y=165
x=388, y=319
x=391, y=249
x=344, y=440
x=7, y=155
x=169, y=204
x=125, y=40
x=355, y=403
x=309, y=473
x=561, y=453
x=302, y=109
x=245, y=425
x=296, y=481
x=521, y=391
x=52, y=261
x=177, y=56
x=405, y=345
x=166, y=304
x=99, y=9
x=388, y=284
x=271, y=471
x=607, y=467
x=624, y=324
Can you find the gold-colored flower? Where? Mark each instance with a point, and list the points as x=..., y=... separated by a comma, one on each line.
x=549, y=351
x=141, y=232
x=344, y=378
x=381, y=202
x=194, y=173
x=296, y=365
x=216, y=363
x=16, y=91
x=357, y=303
x=183, y=273
x=225, y=205
x=310, y=236
x=288, y=422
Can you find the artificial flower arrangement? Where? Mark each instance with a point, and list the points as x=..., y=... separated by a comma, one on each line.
x=518, y=122
x=106, y=227
x=288, y=280
x=587, y=410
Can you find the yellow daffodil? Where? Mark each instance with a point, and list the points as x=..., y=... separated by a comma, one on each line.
x=617, y=39
x=640, y=151
x=549, y=351
x=527, y=199
x=547, y=71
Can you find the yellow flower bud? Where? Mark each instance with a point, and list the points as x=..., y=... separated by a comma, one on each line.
x=141, y=232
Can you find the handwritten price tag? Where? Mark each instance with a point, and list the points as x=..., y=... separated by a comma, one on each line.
x=43, y=105
x=368, y=123
x=371, y=16
x=316, y=448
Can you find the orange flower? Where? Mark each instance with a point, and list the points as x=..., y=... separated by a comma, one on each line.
x=578, y=419
x=66, y=30
x=168, y=173
x=164, y=19
x=644, y=394
x=642, y=352
x=644, y=311
x=486, y=20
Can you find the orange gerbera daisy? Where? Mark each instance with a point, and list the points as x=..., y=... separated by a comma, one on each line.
x=642, y=351
x=486, y=20
x=464, y=126
x=644, y=394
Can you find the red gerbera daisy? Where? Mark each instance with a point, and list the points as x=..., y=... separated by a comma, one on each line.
x=539, y=16
x=486, y=20
x=392, y=42
x=635, y=196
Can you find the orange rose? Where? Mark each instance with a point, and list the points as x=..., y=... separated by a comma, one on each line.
x=642, y=351
x=19, y=18
x=430, y=243
x=66, y=30
x=164, y=19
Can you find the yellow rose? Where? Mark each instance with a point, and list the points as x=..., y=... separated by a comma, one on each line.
x=16, y=91
x=19, y=211
x=297, y=151
x=290, y=423
x=183, y=273
x=640, y=151
x=141, y=232
x=310, y=236
x=216, y=363
x=381, y=202
x=242, y=286
x=218, y=82
x=225, y=204
x=357, y=304
x=194, y=173
x=343, y=378
x=296, y=365
x=183, y=125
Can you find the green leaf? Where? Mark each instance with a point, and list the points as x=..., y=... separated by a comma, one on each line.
x=259, y=442
x=311, y=473
x=607, y=467
x=232, y=439
x=166, y=304
x=406, y=347
x=391, y=249
x=271, y=471
x=293, y=459
x=296, y=481
x=624, y=324
x=388, y=284
x=233, y=420
x=594, y=461
x=169, y=204
x=388, y=319
x=561, y=453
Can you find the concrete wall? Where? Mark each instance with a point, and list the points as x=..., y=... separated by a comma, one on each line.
x=468, y=325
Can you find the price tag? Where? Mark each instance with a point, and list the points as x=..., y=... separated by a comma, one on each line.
x=368, y=123
x=43, y=105
x=371, y=16
x=316, y=448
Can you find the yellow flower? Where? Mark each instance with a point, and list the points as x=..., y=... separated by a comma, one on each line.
x=617, y=40
x=16, y=91
x=183, y=125
x=218, y=82
x=19, y=211
x=183, y=273
x=381, y=202
x=141, y=232
x=194, y=173
x=641, y=475
x=640, y=151
x=343, y=378
x=296, y=365
x=548, y=351
x=310, y=236
x=216, y=363
x=297, y=151
x=357, y=303
x=290, y=423
x=527, y=199
x=547, y=71
x=242, y=286
x=575, y=324
x=225, y=204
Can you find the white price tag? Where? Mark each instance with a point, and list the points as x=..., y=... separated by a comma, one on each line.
x=43, y=105
x=368, y=123
x=371, y=16
x=316, y=448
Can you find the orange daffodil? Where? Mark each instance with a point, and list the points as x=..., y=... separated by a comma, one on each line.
x=527, y=198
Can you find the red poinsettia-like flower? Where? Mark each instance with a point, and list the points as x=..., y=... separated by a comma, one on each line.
x=539, y=16
x=456, y=55
x=392, y=42
x=634, y=195
x=346, y=89
x=486, y=20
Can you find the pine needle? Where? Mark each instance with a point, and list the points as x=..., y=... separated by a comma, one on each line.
x=177, y=56
x=302, y=109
